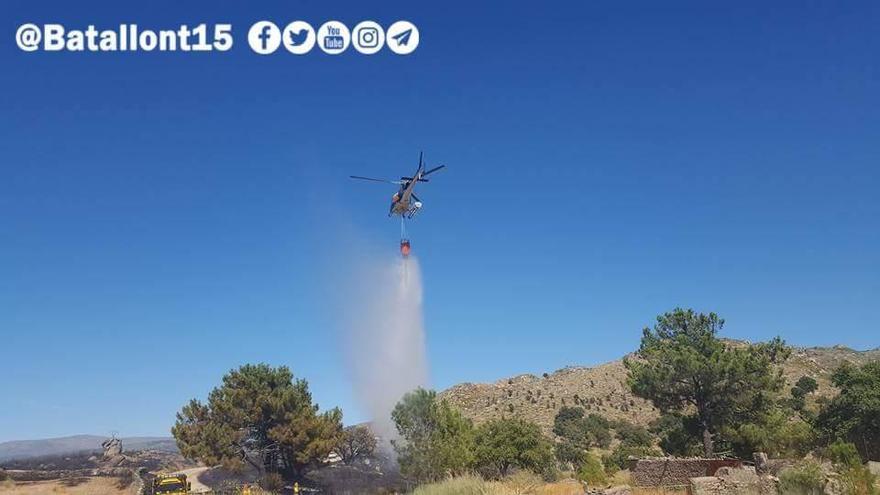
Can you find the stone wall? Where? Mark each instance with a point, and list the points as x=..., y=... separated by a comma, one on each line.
x=668, y=471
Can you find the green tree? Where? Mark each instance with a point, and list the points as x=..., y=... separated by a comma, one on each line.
x=678, y=434
x=357, y=442
x=632, y=435
x=578, y=433
x=573, y=426
x=259, y=416
x=779, y=432
x=565, y=423
x=804, y=387
x=597, y=430
x=504, y=444
x=436, y=440
x=569, y=454
x=854, y=414
x=682, y=365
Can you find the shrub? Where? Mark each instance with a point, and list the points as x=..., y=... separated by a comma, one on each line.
x=776, y=433
x=591, y=471
x=843, y=454
x=573, y=425
x=617, y=459
x=854, y=478
x=803, y=479
x=569, y=454
x=632, y=435
x=857, y=480
x=597, y=430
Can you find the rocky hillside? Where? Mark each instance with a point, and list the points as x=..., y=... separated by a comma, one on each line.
x=602, y=389
x=22, y=449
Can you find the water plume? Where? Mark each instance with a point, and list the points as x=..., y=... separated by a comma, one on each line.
x=386, y=341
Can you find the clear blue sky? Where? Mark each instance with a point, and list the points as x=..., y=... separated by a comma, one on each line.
x=166, y=217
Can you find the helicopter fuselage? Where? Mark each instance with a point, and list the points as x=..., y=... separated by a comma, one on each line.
x=402, y=202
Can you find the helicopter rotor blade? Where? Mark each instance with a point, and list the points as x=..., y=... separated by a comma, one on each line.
x=433, y=170
x=376, y=180
x=418, y=170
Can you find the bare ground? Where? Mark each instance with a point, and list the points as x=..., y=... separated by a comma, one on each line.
x=73, y=486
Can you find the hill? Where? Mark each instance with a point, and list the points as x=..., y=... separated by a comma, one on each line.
x=602, y=389
x=23, y=449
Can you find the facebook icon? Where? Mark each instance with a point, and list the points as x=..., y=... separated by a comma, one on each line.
x=264, y=37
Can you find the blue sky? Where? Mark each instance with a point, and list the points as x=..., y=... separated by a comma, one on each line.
x=165, y=217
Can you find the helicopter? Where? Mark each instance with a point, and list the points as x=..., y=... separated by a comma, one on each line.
x=405, y=203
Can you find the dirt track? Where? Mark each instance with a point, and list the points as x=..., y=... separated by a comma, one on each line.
x=192, y=476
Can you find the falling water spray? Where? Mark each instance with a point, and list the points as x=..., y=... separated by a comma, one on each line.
x=387, y=337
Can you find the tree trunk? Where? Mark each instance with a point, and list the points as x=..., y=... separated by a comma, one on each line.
x=247, y=458
x=708, y=445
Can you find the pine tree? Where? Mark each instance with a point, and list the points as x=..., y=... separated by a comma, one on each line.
x=682, y=365
x=259, y=416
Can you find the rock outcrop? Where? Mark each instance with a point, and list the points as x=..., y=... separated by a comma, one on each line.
x=112, y=456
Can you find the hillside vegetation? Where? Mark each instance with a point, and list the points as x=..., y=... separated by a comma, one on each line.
x=602, y=389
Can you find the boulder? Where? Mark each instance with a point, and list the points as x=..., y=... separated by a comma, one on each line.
x=761, y=461
x=112, y=447
x=618, y=490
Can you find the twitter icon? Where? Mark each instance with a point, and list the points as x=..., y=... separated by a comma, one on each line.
x=298, y=37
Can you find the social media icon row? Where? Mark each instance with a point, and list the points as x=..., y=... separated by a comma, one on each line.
x=333, y=37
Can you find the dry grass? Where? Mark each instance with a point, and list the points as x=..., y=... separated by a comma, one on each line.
x=659, y=490
x=621, y=477
x=526, y=483
x=567, y=487
x=79, y=486
x=462, y=485
x=522, y=483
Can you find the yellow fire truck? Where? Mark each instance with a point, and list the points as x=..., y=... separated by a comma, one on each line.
x=171, y=484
